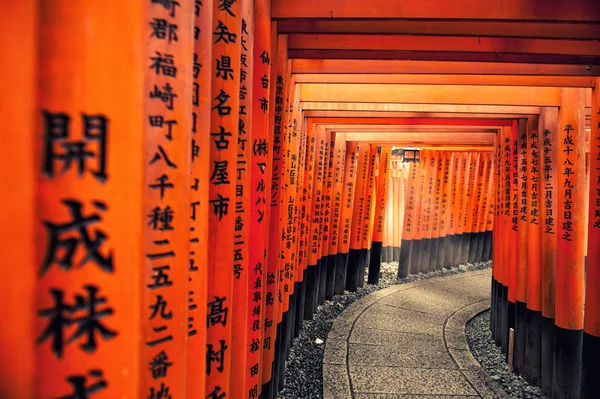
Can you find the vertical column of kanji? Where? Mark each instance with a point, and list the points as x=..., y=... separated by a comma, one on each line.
x=350, y=171
x=259, y=192
x=326, y=282
x=521, y=249
x=492, y=203
x=496, y=241
x=314, y=236
x=327, y=258
x=549, y=244
x=466, y=215
x=591, y=332
x=428, y=198
x=225, y=100
x=88, y=258
x=415, y=257
x=380, y=206
x=452, y=237
x=385, y=245
x=511, y=249
x=570, y=264
x=369, y=208
x=472, y=207
x=461, y=201
x=198, y=196
x=375, y=154
x=322, y=266
x=354, y=255
x=271, y=289
x=508, y=266
x=336, y=205
x=17, y=109
x=435, y=212
x=167, y=161
x=533, y=340
x=241, y=235
x=392, y=216
x=476, y=207
x=445, y=209
x=397, y=199
x=404, y=264
x=484, y=201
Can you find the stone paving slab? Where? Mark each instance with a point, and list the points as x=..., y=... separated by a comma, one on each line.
x=408, y=341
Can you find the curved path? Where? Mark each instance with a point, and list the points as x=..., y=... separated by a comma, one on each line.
x=408, y=341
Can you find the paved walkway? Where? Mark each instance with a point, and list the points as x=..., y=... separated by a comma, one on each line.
x=408, y=341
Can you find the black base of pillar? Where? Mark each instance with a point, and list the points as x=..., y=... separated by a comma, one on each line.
x=364, y=260
x=480, y=244
x=465, y=244
x=300, y=305
x=415, y=257
x=317, y=285
x=330, y=280
x=473, y=243
x=341, y=264
x=375, y=263
x=457, y=250
x=396, y=254
x=291, y=320
x=425, y=255
x=449, y=251
x=488, y=243
x=493, y=310
x=384, y=254
x=520, y=338
x=354, y=263
x=509, y=312
x=590, y=367
x=499, y=314
x=441, y=258
x=433, y=254
x=547, y=355
x=311, y=291
x=404, y=263
x=567, y=363
x=276, y=363
x=533, y=351
x=390, y=253
x=322, y=279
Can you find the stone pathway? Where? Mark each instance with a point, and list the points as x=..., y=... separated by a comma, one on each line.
x=408, y=341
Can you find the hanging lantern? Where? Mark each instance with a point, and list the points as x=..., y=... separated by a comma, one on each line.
x=412, y=154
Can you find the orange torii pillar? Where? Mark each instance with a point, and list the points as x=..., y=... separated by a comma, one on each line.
x=452, y=239
x=549, y=242
x=427, y=211
x=369, y=213
x=350, y=170
x=444, y=210
x=17, y=110
x=475, y=243
x=512, y=240
x=328, y=263
x=521, y=250
x=394, y=198
x=405, y=262
x=488, y=214
x=436, y=212
x=415, y=255
x=324, y=221
x=590, y=366
x=533, y=351
x=386, y=250
x=461, y=203
x=380, y=205
x=336, y=211
x=571, y=230
x=401, y=195
x=467, y=215
x=94, y=209
x=354, y=256
x=497, y=275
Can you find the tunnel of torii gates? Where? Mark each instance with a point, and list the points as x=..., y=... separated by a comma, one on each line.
x=184, y=182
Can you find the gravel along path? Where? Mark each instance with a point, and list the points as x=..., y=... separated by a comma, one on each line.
x=304, y=373
x=492, y=360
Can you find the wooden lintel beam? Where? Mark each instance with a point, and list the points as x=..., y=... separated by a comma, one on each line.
x=391, y=114
x=478, y=80
x=463, y=44
x=413, y=121
x=505, y=28
x=515, y=10
x=439, y=67
x=416, y=138
x=427, y=94
x=409, y=128
x=441, y=108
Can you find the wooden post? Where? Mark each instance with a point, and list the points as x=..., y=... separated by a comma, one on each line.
x=199, y=209
x=358, y=214
x=445, y=209
x=395, y=197
x=92, y=205
x=521, y=249
x=426, y=205
x=470, y=210
x=369, y=210
x=497, y=267
x=324, y=220
x=328, y=264
x=382, y=188
x=18, y=110
x=476, y=208
x=570, y=263
x=405, y=263
x=417, y=244
x=461, y=202
x=591, y=336
x=512, y=242
x=436, y=212
x=533, y=351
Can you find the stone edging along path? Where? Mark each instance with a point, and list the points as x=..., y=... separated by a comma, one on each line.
x=338, y=359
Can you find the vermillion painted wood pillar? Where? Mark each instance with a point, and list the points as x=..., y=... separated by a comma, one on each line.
x=328, y=263
x=549, y=244
x=336, y=206
x=395, y=196
x=259, y=194
x=417, y=244
x=497, y=271
x=476, y=207
x=171, y=99
x=470, y=210
x=452, y=237
x=591, y=332
x=374, y=153
x=427, y=204
x=444, y=209
x=380, y=204
x=385, y=246
x=18, y=111
x=481, y=201
x=199, y=143
x=271, y=302
x=369, y=210
x=521, y=249
x=512, y=243
x=405, y=263
x=509, y=221
x=533, y=352
x=436, y=212
x=401, y=193
x=570, y=262
x=89, y=124
x=462, y=200
x=324, y=217
x=241, y=235
x=488, y=212
x=358, y=215
x=226, y=70
x=350, y=171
